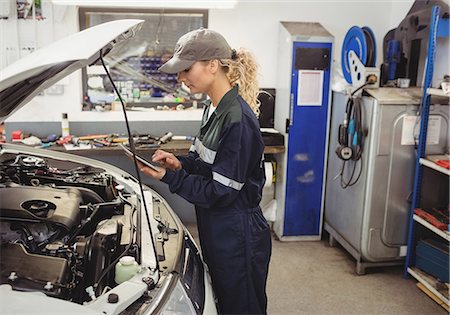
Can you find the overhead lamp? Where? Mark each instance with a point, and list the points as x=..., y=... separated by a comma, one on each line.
x=180, y=4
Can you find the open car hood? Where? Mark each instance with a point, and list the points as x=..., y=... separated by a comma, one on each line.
x=29, y=76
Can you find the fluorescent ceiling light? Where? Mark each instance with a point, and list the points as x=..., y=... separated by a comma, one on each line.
x=182, y=4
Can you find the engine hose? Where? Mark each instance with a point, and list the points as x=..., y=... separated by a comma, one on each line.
x=88, y=195
x=90, y=219
x=29, y=238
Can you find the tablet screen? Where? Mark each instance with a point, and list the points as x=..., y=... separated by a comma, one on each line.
x=154, y=166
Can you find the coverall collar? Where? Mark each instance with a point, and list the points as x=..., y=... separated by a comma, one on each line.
x=229, y=96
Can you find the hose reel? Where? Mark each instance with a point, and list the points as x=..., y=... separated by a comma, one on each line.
x=358, y=57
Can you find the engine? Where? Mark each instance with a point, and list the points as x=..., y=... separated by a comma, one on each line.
x=61, y=226
x=41, y=204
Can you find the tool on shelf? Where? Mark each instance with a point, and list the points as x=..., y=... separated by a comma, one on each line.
x=431, y=219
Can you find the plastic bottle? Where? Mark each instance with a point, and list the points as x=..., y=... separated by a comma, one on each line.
x=126, y=268
x=65, y=131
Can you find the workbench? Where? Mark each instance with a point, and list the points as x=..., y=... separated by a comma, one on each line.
x=177, y=147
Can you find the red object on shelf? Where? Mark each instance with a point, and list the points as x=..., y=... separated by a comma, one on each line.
x=17, y=135
x=443, y=163
x=430, y=219
x=65, y=140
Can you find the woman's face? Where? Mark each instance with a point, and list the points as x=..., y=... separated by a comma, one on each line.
x=198, y=78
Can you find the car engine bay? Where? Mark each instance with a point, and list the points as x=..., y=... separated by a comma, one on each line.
x=63, y=226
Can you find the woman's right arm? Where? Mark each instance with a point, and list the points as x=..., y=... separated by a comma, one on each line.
x=191, y=163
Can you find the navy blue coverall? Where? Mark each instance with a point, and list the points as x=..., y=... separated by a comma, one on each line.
x=223, y=176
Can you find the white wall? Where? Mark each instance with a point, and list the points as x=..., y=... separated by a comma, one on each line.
x=399, y=10
x=251, y=24
x=254, y=24
x=59, y=22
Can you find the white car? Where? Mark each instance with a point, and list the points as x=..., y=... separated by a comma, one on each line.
x=66, y=221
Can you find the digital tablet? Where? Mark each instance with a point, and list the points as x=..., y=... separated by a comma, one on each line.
x=154, y=166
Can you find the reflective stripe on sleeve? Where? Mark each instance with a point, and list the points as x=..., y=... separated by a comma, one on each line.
x=227, y=181
x=207, y=155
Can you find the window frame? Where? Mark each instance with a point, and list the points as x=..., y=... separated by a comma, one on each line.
x=83, y=20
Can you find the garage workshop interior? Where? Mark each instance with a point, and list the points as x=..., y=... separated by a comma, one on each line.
x=353, y=113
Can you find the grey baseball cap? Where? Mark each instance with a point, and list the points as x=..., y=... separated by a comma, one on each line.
x=197, y=45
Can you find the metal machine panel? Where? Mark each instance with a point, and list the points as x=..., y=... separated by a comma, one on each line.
x=394, y=163
x=372, y=215
x=343, y=208
x=389, y=182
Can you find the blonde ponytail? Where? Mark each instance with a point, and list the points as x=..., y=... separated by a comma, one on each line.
x=243, y=70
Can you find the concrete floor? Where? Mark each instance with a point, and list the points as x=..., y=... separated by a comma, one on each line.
x=313, y=278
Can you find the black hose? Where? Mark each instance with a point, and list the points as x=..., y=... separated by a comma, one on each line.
x=370, y=49
x=88, y=195
x=29, y=238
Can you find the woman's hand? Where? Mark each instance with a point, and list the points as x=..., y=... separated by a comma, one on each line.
x=166, y=159
x=151, y=172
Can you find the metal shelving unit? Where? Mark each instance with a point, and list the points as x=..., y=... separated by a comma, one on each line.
x=425, y=279
x=425, y=223
x=429, y=282
x=434, y=166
